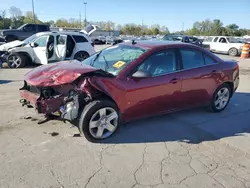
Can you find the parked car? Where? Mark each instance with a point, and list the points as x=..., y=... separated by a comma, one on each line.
x=47, y=47
x=129, y=81
x=183, y=38
x=113, y=40
x=23, y=32
x=226, y=45
x=2, y=40
x=99, y=40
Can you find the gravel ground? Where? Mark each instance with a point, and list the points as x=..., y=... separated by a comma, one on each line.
x=189, y=149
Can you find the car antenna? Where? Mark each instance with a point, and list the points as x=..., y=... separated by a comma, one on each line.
x=133, y=42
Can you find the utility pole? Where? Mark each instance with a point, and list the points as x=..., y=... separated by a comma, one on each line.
x=34, y=19
x=85, y=20
x=80, y=19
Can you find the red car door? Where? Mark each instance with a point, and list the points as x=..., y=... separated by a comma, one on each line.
x=200, y=77
x=157, y=93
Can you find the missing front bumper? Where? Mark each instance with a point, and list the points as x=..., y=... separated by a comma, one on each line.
x=66, y=107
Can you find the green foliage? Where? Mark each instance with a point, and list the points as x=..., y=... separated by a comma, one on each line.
x=215, y=27
x=29, y=18
x=205, y=27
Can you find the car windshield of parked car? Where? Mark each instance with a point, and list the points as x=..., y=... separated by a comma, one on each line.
x=30, y=39
x=233, y=40
x=172, y=38
x=114, y=59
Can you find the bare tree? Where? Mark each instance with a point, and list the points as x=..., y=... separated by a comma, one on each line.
x=15, y=12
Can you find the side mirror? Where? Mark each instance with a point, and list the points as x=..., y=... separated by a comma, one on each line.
x=141, y=74
x=33, y=45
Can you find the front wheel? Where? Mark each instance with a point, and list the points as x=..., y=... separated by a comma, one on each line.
x=16, y=60
x=99, y=120
x=233, y=52
x=221, y=98
x=80, y=56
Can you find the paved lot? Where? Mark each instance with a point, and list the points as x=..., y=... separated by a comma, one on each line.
x=189, y=149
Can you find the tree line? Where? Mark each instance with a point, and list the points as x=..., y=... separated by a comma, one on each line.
x=205, y=28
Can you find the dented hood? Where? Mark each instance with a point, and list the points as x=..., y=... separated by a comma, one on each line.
x=7, y=46
x=57, y=73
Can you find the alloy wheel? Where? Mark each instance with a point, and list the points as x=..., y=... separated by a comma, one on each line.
x=14, y=61
x=233, y=52
x=222, y=98
x=103, y=123
x=81, y=56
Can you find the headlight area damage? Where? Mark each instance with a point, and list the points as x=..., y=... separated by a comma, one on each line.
x=64, y=100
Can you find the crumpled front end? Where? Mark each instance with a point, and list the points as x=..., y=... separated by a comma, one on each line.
x=62, y=100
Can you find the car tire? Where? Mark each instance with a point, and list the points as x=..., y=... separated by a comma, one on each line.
x=233, y=52
x=10, y=38
x=91, y=121
x=220, y=100
x=16, y=60
x=80, y=56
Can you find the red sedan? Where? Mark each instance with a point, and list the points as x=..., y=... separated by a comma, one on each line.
x=130, y=81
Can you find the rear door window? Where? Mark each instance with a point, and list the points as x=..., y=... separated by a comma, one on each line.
x=191, y=58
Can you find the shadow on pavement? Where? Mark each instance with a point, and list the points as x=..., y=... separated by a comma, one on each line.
x=191, y=126
x=5, y=81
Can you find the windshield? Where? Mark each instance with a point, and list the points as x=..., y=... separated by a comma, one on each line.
x=114, y=59
x=233, y=40
x=29, y=39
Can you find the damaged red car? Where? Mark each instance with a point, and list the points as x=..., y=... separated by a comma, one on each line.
x=129, y=81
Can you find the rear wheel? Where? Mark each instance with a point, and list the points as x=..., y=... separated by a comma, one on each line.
x=80, y=56
x=221, y=98
x=16, y=60
x=233, y=52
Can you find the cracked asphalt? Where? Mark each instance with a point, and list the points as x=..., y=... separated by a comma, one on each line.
x=188, y=149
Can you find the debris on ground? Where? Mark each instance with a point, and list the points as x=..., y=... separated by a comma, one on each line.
x=27, y=117
x=3, y=65
x=76, y=135
x=54, y=134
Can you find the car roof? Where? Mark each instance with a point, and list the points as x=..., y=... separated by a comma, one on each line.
x=178, y=35
x=61, y=32
x=156, y=43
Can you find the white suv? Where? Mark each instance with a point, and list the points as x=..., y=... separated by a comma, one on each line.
x=224, y=44
x=48, y=47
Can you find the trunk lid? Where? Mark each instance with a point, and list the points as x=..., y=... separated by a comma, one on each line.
x=89, y=29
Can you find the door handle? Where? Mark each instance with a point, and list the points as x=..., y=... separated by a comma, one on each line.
x=174, y=81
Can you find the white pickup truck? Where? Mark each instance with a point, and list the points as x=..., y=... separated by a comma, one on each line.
x=224, y=44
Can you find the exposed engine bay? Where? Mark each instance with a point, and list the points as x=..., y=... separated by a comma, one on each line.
x=64, y=100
